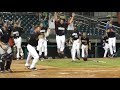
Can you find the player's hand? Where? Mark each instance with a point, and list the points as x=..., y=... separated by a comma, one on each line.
x=49, y=29
x=73, y=14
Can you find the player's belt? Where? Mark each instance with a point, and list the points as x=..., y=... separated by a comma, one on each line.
x=112, y=37
x=16, y=37
x=60, y=34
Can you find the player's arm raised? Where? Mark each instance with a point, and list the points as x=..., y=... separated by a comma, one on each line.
x=71, y=20
x=48, y=32
x=55, y=16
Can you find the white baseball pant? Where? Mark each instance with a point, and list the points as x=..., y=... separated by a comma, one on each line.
x=42, y=46
x=84, y=51
x=106, y=48
x=75, y=48
x=32, y=53
x=60, y=42
x=18, y=42
x=112, y=45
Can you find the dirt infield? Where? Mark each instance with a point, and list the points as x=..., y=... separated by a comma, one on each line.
x=19, y=71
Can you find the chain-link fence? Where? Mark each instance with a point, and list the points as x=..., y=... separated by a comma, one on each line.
x=94, y=28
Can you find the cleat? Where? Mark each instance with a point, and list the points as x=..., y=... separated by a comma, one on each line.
x=78, y=58
x=27, y=65
x=45, y=57
x=85, y=59
x=9, y=70
x=34, y=68
x=2, y=71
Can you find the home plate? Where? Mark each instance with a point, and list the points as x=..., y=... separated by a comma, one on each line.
x=63, y=73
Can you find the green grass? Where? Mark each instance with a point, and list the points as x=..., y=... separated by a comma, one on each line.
x=66, y=63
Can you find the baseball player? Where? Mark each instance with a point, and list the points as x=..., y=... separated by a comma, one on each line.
x=32, y=43
x=85, y=45
x=18, y=40
x=105, y=45
x=60, y=28
x=76, y=35
x=111, y=40
x=5, y=49
x=42, y=43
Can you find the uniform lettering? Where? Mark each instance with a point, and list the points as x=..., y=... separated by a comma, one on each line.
x=61, y=28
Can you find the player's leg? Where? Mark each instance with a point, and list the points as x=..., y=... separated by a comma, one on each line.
x=106, y=48
x=9, y=62
x=78, y=50
x=86, y=52
x=2, y=62
x=35, y=56
x=62, y=45
x=15, y=41
x=110, y=46
x=45, y=49
x=58, y=44
x=18, y=49
x=73, y=51
x=28, y=59
x=83, y=51
x=8, y=65
x=21, y=50
x=114, y=45
x=27, y=64
x=40, y=46
x=105, y=53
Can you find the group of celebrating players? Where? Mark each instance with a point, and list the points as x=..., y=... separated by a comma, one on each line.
x=38, y=42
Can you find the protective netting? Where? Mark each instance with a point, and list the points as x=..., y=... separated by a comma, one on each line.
x=27, y=20
x=91, y=27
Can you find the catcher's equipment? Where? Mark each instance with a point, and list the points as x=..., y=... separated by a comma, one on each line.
x=6, y=57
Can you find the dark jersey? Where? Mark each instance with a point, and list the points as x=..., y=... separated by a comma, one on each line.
x=85, y=40
x=105, y=39
x=76, y=35
x=17, y=32
x=1, y=23
x=5, y=35
x=33, y=40
x=111, y=34
x=60, y=28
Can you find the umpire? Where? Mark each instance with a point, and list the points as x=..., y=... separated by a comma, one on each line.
x=5, y=49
